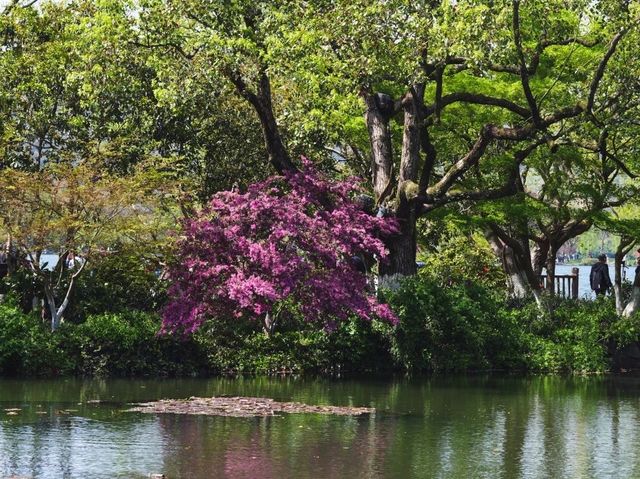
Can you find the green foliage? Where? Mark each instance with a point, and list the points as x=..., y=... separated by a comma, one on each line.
x=453, y=328
x=105, y=345
x=128, y=344
x=571, y=336
x=625, y=330
x=459, y=254
x=126, y=280
x=297, y=346
x=26, y=347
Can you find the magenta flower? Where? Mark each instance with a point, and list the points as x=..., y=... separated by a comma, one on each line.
x=286, y=241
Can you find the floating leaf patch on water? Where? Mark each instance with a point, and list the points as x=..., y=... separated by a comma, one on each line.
x=241, y=407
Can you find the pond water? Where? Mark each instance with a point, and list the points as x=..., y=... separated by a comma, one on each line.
x=463, y=427
x=584, y=288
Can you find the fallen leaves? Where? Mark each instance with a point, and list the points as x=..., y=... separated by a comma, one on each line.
x=241, y=407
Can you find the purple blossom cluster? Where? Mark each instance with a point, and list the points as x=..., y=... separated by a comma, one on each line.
x=288, y=242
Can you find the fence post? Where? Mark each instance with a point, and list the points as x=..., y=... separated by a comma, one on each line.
x=574, y=285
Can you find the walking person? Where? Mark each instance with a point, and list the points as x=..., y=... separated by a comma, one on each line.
x=599, y=277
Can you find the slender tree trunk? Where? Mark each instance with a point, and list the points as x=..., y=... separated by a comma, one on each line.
x=262, y=103
x=517, y=286
x=278, y=154
x=624, y=246
x=634, y=304
x=551, y=269
x=269, y=324
x=51, y=305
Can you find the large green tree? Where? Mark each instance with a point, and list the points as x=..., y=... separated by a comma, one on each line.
x=421, y=95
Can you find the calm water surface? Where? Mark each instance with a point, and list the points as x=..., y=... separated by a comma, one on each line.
x=541, y=427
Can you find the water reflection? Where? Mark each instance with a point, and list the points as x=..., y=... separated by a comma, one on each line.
x=438, y=427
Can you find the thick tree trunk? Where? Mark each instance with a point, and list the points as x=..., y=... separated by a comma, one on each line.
x=401, y=261
x=539, y=256
x=378, y=110
x=517, y=284
x=269, y=324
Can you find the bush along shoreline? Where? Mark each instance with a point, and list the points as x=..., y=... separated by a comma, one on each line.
x=464, y=326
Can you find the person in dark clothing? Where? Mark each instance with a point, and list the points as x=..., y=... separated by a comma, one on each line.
x=599, y=277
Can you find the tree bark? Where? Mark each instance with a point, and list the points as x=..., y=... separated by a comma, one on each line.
x=551, y=269
x=517, y=284
x=624, y=246
x=263, y=105
x=56, y=318
x=401, y=260
x=634, y=304
x=377, y=114
x=540, y=253
x=412, y=104
x=269, y=324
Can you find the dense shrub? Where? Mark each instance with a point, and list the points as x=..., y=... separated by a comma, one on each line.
x=127, y=344
x=571, y=336
x=461, y=326
x=297, y=346
x=122, y=344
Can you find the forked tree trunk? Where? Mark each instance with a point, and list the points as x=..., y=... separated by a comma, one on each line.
x=269, y=324
x=515, y=276
x=516, y=263
x=539, y=257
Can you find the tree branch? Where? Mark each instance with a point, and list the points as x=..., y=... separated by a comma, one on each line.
x=478, y=99
x=523, y=70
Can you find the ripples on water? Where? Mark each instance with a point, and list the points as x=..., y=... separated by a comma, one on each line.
x=431, y=428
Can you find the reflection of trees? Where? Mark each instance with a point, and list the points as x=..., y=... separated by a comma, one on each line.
x=302, y=446
x=434, y=427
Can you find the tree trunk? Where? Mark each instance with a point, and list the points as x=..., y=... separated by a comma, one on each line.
x=401, y=260
x=269, y=324
x=624, y=246
x=412, y=105
x=634, y=303
x=402, y=248
x=540, y=254
x=278, y=154
x=377, y=116
x=551, y=270
x=517, y=285
x=263, y=105
x=56, y=317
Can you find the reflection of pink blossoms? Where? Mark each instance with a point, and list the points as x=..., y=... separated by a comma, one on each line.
x=286, y=240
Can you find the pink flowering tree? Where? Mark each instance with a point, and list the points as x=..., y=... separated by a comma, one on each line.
x=286, y=245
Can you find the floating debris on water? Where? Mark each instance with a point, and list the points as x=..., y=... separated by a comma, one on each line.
x=241, y=407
